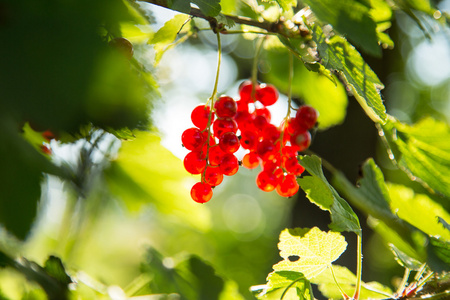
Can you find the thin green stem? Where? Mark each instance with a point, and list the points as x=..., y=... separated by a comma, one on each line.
x=213, y=97
x=358, y=268
x=335, y=281
x=259, y=45
x=289, y=95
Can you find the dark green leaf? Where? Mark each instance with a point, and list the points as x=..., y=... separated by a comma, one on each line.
x=183, y=6
x=320, y=192
x=439, y=254
x=210, y=8
x=350, y=18
x=338, y=55
x=55, y=268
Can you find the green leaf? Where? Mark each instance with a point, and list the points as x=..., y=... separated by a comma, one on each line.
x=422, y=150
x=372, y=197
x=350, y=18
x=439, y=254
x=315, y=89
x=418, y=209
x=315, y=249
x=405, y=260
x=55, y=268
x=183, y=6
x=286, y=285
x=346, y=280
x=338, y=55
x=320, y=192
x=166, y=35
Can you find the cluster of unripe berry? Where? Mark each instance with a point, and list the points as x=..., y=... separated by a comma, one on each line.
x=229, y=125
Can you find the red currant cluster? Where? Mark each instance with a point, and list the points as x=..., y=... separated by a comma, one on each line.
x=274, y=148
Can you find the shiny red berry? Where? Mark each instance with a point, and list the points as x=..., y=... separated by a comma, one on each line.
x=266, y=181
x=200, y=116
x=267, y=94
x=306, y=116
x=201, y=192
x=229, y=142
x=212, y=176
x=266, y=149
x=225, y=107
x=249, y=139
x=288, y=186
x=194, y=162
x=215, y=155
x=301, y=139
x=220, y=126
x=247, y=91
x=250, y=160
x=192, y=138
x=229, y=165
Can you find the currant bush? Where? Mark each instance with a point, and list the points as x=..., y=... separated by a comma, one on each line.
x=245, y=123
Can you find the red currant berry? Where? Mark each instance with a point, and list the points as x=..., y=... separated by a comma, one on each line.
x=229, y=142
x=49, y=135
x=215, y=155
x=260, y=122
x=288, y=186
x=242, y=106
x=225, y=107
x=266, y=150
x=201, y=192
x=220, y=126
x=292, y=166
x=246, y=91
x=267, y=94
x=45, y=148
x=213, y=176
x=264, y=112
x=200, y=116
x=194, y=162
x=266, y=181
x=307, y=116
x=301, y=139
x=249, y=139
x=271, y=133
x=250, y=160
x=229, y=165
x=192, y=138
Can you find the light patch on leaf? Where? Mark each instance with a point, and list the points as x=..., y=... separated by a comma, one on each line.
x=315, y=249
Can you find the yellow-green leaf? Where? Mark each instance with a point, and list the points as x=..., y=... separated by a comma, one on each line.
x=315, y=250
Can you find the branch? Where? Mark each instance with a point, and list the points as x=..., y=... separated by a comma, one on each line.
x=195, y=12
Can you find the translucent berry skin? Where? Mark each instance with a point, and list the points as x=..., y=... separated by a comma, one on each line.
x=201, y=192
x=266, y=149
x=266, y=181
x=288, y=186
x=225, y=107
x=249, y=139
x=212, y=176
x=220, y=126
x=192, y=138
x=245, y=91
x=267, y=94
x=215, y=155
x=194, y=162
x=229, y=165
x=301, y=139
x=250, y=160
x=200, y=116
x=292, y=166
x=271, y=133
x=264, y=112
x=307, y=116
x=229, y=142
x=260, y=122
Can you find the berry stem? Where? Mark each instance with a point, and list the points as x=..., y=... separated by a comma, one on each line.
x=259, y=45
x=212, y=98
